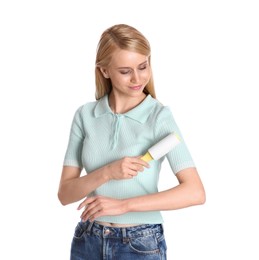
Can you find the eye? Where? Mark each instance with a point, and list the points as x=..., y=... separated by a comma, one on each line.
x=124, y=72
x=143, y=67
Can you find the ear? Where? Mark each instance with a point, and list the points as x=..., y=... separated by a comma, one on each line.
x=104, y=72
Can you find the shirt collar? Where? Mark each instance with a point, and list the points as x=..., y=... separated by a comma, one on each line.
x=139, y=113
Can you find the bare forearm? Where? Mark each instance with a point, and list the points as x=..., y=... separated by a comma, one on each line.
x=76, y=189
x=178, y=197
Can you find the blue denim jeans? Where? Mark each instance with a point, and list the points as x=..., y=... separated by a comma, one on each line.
x=92, y=241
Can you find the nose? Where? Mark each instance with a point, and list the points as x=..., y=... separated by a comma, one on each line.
x=135, y=77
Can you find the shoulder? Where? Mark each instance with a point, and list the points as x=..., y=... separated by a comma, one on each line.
x=162, y=120
x=86, y=108
x=84, y=112
x=160, y=110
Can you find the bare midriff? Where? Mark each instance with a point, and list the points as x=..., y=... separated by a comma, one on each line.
x=116, y=224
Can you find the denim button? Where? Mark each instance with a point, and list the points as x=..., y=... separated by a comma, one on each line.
x=107, y=231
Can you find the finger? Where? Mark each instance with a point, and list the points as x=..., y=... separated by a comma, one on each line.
x=136, y=167
x=132, y=173
x=92, y=204
x=96, y=215
x=86, y=202
x=130, y=176
x=86, y=214
x=91, y=207
x=138, y=160
x=81, y=205
x=90, y=214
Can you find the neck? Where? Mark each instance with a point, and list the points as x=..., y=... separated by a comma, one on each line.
x=122, y=104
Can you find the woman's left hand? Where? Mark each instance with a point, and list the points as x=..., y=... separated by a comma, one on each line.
x=99, y=206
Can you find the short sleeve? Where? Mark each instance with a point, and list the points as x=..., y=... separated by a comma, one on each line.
x=179, y=157
x=73, y=156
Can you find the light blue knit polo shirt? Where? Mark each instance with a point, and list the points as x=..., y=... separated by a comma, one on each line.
x=99, y=137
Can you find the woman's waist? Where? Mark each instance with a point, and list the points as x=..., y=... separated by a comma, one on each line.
x=132, y=231
x=118, y=225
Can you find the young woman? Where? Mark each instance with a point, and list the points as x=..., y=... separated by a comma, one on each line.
x=121, y=203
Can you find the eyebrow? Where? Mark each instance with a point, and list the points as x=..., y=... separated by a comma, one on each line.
x=143, y=63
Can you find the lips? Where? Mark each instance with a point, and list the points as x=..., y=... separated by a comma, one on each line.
x=136, y=87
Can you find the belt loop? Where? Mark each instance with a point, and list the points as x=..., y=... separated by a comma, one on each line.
x=125, y=240
x=88, y=230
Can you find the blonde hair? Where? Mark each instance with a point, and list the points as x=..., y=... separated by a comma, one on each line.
x=124, y=37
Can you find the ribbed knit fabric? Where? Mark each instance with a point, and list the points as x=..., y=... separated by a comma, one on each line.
x=98, y=137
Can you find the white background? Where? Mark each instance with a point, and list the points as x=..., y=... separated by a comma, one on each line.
x=206, y=68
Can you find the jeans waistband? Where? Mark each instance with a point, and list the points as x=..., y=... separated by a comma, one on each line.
x=123, y=232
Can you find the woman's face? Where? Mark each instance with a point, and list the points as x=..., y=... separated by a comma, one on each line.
x=129, y=72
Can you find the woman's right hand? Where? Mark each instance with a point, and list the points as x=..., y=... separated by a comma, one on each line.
x=126, y=168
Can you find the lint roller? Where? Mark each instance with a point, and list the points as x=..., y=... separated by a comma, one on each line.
x=161, y=148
